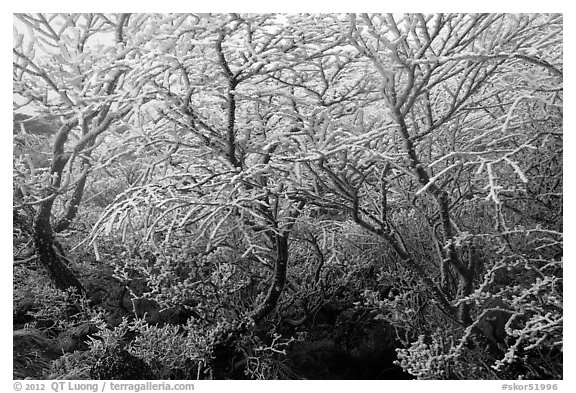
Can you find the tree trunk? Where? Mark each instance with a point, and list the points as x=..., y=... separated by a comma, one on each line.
x=279, y=279
x=44, y=241
x=51, y=258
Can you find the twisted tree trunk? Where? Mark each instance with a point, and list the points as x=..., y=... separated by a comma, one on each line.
x=50, y=257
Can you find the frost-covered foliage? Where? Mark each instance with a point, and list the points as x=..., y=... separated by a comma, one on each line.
x=257, y=175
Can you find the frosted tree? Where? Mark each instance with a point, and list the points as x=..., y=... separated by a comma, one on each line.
x=275, y=156
x=224, y=118
x=62, y=70
x=455, y=126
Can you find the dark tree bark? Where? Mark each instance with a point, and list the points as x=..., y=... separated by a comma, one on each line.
x=280, y=241
x=278, y=280
x=49, y=255
x=51, y=258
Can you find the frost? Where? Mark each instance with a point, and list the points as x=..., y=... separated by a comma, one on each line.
x=517, y=169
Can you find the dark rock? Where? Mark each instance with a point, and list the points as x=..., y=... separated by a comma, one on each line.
x=32, y=353
x=356, y=347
